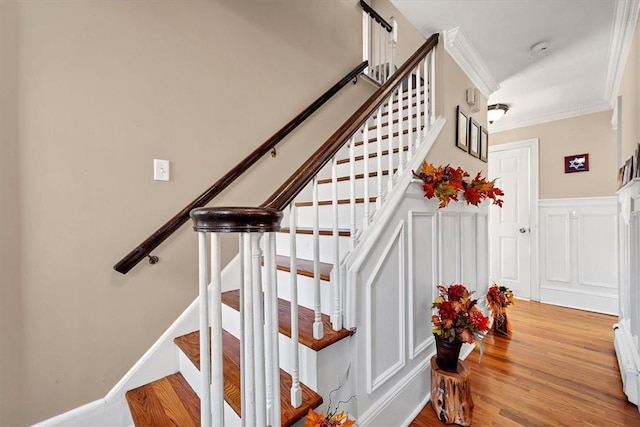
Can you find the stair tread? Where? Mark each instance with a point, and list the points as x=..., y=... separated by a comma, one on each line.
x=190, y=345
x=305, y=322
x=323, y=231
x=384, y=136
x=167, y=402
x=304, y=266
x=340, y=202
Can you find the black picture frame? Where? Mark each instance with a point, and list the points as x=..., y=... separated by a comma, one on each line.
x=462, y=129
x=484, y=144
x=474, y=138
x=576, y=163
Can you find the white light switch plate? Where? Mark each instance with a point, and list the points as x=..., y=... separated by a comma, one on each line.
x=160, y=170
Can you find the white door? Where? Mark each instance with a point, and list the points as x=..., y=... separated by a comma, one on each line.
x=510, y=227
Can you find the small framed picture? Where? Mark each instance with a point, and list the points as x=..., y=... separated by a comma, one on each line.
x=474, y=138
x=576, y=163
x=462, y=140
x=484, y=144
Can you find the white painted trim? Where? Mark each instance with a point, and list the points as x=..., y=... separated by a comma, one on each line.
x=578, y=291
x=600, y=201
x=533, y=146
x=530, y=120
x=462, y=50
x=374, y=383
x=566, y=278
x=581, y=248
x=416, y=350
x=65, y=417
x=624, y=23
x=378, y=407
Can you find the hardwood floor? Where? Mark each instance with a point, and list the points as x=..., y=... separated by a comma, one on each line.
x=558, y=369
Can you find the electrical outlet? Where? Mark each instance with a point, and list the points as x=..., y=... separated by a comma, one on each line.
x=160, y=170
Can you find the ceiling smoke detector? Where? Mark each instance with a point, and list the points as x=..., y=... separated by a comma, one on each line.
x=539, y=48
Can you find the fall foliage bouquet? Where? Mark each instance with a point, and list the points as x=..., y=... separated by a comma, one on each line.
x=445, y=182
x=332, y=419
x=498, y=299
x=458, y=317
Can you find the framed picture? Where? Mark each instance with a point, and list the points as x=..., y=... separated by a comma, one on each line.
x=620, y=177
x=474, y=138
x=628, y=171
x=576, y=163
x=462, y=140
x=484, y=144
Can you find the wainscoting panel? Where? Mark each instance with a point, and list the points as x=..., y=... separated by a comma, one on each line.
x=468, y=250
x=422, y=278
x=578, y=263
x=449, y=246
x=385, y=302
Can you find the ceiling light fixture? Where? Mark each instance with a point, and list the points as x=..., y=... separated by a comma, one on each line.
x=496, y=111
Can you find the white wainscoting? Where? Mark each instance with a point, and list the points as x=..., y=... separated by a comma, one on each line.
x=578, y=253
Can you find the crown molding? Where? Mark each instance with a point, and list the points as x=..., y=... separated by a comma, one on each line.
x=568, y=113
x=458, y=45
x=624, y=23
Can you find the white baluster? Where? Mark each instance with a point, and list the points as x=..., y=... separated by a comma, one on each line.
x=272, y=356
x=258, y=328
x=393, y=39
x=366, y=41
x=390, y=143
x=365, y=154
x=379, y=156
x=410, y=117
x=380, y=42
x=203, y=299
x=352, y=192
x=318, y=331
x=432, y=85
x=243, y=362
x=336, y=312
x=383, y=44
x=427, y=103
x=217, y=389
x=248, y=380
x=296, y=391
x=400, y=133
x=419, y=105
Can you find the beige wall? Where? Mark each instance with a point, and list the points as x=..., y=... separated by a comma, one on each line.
x=592, y=134
x=630, y=91
x=103, y=88
x=11, y=307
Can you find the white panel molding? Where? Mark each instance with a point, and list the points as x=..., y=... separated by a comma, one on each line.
x=482, y=252
x=416, y=348
x=468, y=250
x=446, y=238
x=587, y=229
x=625, y=18
x=583, y=248
x=374, y=382
x=394, y=392
x=566, y=278
x=462, y=50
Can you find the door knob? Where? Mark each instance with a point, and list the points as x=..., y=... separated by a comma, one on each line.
x=523, y=230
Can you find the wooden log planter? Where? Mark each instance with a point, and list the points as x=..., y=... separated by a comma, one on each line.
x=451, y=394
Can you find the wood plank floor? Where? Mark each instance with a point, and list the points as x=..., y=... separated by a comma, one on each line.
x=558, y=369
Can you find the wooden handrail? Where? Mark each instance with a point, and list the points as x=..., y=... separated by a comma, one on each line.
x=300, y=178
x=161, y=234
x=372, y=13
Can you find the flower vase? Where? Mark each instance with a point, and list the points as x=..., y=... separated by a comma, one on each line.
x=447, y=354
x=500, y=324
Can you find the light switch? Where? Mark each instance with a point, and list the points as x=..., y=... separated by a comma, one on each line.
x=160, y=170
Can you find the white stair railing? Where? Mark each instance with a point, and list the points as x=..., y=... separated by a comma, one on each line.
x=379, y=39
x=259, y=359
x=362, y=139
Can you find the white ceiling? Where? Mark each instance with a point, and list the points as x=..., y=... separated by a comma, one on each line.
x=568, y=79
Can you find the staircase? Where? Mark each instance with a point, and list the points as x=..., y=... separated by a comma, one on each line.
x=320, y=227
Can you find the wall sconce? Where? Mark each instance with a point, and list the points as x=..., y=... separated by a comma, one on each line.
x=496, y=111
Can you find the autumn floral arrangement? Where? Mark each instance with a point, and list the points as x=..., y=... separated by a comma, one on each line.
x=458, y=317
x=498, y=299
x=333, y=418
x=446, y=182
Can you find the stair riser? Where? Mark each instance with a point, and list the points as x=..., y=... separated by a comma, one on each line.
x=325, y=191
x=343, y=169
x=304, y=246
